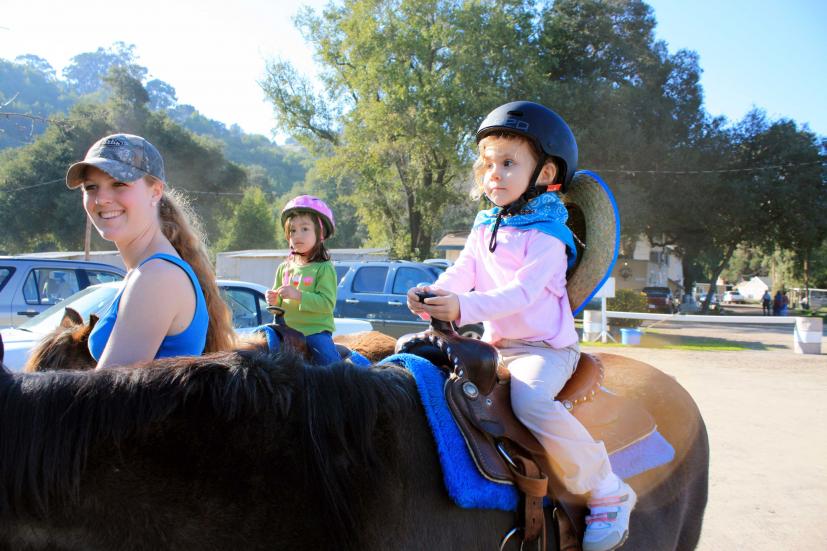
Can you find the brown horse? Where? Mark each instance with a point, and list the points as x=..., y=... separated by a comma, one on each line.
x=67, y=346
x=253, y=450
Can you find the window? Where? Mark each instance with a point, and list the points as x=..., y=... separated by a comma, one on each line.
x=370, y=279
x=5, y=275
x=49, y=286
x=410, y=277
x=96, y=277
x=341, y=272
x=244, y=305
x=659, y=257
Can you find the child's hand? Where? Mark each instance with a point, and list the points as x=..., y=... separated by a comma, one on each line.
x=289, y=292
x=272, y=297
x=444, y=306
x=414, y=304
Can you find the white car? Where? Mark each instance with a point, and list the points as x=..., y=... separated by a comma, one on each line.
x=733, y=297
x=245, y=299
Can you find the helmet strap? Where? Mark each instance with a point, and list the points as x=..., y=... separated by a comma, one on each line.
x=516, y=206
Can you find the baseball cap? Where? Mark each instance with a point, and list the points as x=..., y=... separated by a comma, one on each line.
x=125, y=157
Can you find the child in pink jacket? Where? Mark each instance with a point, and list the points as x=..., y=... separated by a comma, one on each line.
x=515, y=260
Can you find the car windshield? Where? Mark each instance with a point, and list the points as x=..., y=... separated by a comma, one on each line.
x=92, y=300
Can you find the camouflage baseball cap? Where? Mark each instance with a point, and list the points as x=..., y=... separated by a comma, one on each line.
x=125, y=157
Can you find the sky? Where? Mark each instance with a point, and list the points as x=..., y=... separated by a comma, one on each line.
x=754, y=53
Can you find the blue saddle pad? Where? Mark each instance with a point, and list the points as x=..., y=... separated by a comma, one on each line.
x=463, y=481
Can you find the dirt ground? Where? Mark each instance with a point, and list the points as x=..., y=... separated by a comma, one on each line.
x=766, y=412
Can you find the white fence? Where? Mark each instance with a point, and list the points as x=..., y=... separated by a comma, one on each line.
x=807, y=333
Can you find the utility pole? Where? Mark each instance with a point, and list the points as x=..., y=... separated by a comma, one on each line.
x=87, y=239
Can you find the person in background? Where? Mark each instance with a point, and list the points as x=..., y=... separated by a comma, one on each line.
x=777, y=302
x=511, y=275
x=170, y=303
x=305, y=283
x=766, y=303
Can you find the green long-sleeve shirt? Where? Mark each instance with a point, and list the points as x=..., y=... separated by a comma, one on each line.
x=317, y=283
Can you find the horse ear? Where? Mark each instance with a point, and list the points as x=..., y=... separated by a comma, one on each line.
x=71, y=318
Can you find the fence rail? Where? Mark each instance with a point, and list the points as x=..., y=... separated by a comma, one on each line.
x=807, y=332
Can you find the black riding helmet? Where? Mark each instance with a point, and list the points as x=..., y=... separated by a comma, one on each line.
x=550, y=134
x=545, y=128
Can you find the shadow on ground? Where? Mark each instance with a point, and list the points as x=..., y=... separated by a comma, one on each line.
x=663, y=340
x=657, y=339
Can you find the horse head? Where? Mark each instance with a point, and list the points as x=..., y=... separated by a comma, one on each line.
x=64, y=348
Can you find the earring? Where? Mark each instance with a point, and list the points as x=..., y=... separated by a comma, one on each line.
x=154, y=204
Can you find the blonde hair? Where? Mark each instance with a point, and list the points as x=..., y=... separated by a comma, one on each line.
x=477, y=191
x=182, y=227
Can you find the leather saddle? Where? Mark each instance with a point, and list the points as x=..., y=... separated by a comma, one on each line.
x=295, y=340
x=290, y=338
x=478, y=393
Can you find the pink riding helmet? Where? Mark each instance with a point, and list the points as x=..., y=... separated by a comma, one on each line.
x=308, y=203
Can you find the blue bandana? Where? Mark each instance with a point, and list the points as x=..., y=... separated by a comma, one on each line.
x=545, y=213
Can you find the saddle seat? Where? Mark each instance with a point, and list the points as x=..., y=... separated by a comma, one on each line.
x=478, y=393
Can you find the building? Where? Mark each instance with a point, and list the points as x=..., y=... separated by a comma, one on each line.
x=649, y=266
x=259, y=266
x=452, y=243
x=754, y=288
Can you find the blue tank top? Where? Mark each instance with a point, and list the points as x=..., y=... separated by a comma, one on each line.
x=190, y=342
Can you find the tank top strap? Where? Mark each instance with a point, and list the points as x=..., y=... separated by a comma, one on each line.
x=177, y=261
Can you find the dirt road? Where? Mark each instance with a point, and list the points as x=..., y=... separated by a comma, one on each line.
x=766, y=413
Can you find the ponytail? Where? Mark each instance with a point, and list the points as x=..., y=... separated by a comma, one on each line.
x=181, y=226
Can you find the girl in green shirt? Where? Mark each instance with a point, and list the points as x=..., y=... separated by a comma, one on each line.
x=305, y=283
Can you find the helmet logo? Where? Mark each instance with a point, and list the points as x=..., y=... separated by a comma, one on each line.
x=516, y=124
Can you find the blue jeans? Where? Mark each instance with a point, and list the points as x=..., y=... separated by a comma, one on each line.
x=322, y=348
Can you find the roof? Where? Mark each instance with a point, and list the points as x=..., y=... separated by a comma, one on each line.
x=452, y=241
x=269, y=253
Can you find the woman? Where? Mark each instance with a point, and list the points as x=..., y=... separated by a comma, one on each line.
x=170, y=304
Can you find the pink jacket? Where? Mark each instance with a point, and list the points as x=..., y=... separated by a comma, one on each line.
x=519, y=289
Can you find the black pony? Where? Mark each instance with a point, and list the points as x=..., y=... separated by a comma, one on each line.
x=248, y=450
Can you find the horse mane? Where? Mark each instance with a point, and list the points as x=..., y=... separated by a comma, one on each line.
x=53, y=422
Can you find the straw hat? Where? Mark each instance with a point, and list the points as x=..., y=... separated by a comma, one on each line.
x=595, y=221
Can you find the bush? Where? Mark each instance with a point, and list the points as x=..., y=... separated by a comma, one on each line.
x=627, y=300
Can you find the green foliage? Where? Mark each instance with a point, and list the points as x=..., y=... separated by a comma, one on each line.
x=627, y=300
x=39, y=96
x=86, y=72
x=284, y=167
x=36, y=207
x=29, y=95
x=252, y=224
x=404, y=81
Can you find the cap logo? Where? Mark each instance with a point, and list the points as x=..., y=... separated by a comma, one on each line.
x=114, y=142
x=516, y=124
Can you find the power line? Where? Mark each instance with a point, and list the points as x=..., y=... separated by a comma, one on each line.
x=715, y=171
x=33, y=186
x=599, y=170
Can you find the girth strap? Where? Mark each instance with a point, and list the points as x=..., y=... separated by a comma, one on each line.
x=533, y=486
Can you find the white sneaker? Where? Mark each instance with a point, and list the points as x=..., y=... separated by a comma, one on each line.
x=607, y=527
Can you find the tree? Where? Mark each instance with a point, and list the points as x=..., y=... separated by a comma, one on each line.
x=86, y=72
x=161, y=95
x=765, y=192
x=251, y=225
x=32, y=177
x=29, y=97
x=631, y=105
x=405, y=80
x=37, y=64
